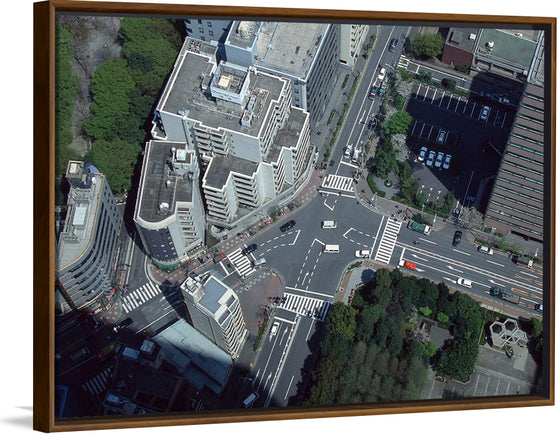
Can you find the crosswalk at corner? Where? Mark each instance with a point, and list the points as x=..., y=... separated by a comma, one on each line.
x=338, y=182
x=140, y=296
x=403, y=62
x=306, y=306
x=388, y=241
x=241, y=263
x=97, y=385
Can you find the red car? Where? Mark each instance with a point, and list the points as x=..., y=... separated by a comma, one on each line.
x=408, y=265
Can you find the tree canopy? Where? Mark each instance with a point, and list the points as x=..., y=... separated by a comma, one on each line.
x=428, y=45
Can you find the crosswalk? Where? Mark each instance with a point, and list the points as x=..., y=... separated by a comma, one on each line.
x=403, y=62
x=388, y=240
x=98, y=384
x=140, y=296
x=241, y=263
x=306, y=306
x=338, y=182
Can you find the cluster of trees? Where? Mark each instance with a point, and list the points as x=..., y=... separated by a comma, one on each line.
x=372, y=352
x=427, y=45
x=385, y=160
x=124, y=91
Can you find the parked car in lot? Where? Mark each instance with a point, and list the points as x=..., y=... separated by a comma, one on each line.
x=441, y=137
x=484, y=113
x=485, y=250
x=431, y=156
x=447, y=161
x=422, y=154
x=287, y=226
x=364, y=253
x=439, y=160
x=457, y=238
x=249, y=249
x=464, y=282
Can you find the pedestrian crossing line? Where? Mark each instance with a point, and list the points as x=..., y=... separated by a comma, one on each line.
x=338, y=182
x=403, y=62
x=241, y=263
x=388, y=241
x=140, y=296
x=306, y=306
x=98, y=383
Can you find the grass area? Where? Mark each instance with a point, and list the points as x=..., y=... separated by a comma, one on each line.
x=373, y=186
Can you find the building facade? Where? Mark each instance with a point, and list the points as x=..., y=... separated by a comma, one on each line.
x=215, y=312
x=352, y=38
x=87, y=244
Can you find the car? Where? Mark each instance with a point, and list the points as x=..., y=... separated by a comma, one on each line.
x=447, y=161
x=364, y=253
x=249, y=249
x=457, y=238
x=331, y=163
x=464, y=282
x=381, y=75
x=431, y=157
x=287, y=226
x=372, y=123
x=393, y=44
x=485, y=250
x=439, y=160
x=538, y=307
x=484, y=113
x=373, y=92
x=441, y=137
x=422, y=154
x=407, y=265
x=348, y=150
x=274, y=329
x=124, y=324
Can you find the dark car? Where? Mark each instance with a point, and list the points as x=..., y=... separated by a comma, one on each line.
x=249, y=249
x=457, y=238
x=287, y=226
x=393, y=45
x=124, y=324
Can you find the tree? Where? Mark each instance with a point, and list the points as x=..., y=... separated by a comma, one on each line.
x=399, y=123
x=367, y=320
x=427, y=46
x=457, y=358
x=110, y=88
x=116, y=160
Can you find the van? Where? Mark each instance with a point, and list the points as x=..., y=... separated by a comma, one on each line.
x=464, y=282
x=251, y=398
x=259, y=261
x=334, y=249
x=328, y=224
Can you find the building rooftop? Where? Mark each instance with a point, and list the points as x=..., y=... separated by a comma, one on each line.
x=219, y=169
x=243, y=34
x=464, y=38
x=162, y=185
x=288, y=136
x=511, y=47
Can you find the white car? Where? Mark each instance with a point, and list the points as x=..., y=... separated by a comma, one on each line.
x=441, y=137
x=439, y=160
x=422, y=154
x=364, y=253
x=381, y=75
x=431, y=157
x=464, y=282
x=274, y=329
x=447, y=161
x=484, y=113
x=485, y=250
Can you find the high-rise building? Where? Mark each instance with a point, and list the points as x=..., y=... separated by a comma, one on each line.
x=215, y=312
x=87, y=244
x=169, y=213
x=352, y=38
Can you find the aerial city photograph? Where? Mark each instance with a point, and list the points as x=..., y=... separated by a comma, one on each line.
x=263, y=214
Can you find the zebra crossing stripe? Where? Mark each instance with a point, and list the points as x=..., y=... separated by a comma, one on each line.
x=98, y=383
x=388, y=241
x=305, y=305
x=241, y=263
x=140, y=296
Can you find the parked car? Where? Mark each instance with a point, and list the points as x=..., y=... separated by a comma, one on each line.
x=249, y=249
x=407, y=264
x=439, y=160
x=441, y=137
x=381, y=75
x=464, y=282
x=447, y=161
x=457, y=238
x=287, y=226
x=484, y=113
x=422, y=154
x=431, y=157
x=364, y=253
x=485, y=250
x=393, y=44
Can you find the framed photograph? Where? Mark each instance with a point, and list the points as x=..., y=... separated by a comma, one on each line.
x=253, y=214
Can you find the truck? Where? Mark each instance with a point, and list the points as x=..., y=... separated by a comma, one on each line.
x=522, y=260
x=421, y=228
x=501, y=294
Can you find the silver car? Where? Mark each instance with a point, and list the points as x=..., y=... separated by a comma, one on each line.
x=447, y=161
x=439, y=160
x=422, y=154
x=484, y=113
x=431, y=158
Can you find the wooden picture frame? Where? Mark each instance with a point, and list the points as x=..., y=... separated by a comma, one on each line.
x=45, y=14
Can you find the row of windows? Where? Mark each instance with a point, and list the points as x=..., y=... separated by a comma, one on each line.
x=519, y=185
x=514, y=210
x=509, y=223
x=515, y=199
x=523, y=177
x=522, y=147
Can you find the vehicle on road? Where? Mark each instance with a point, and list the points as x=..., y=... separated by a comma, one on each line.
x=249, y=249
x=524, y=261
x=381, y=75
x=373, y=91
x=441, y=137
x=328, y=224
x=431, y=157
x=422, y=154
x=407, y=264
x=372, y=123
x=457, y=238
x=124, y=324
x=332, y=249
x=464, y=282
x=447, y=161
x=538, y=307
x=259, y=261
x=484, y=113
x=363, y=253
x=348, y=150
x=219, y=257
x=501, y=294
x=250, y=400
x=485, y=250
x=274, y=329
x=287, y=226
x=439, y=160
x=419, y=227
x=393, y=44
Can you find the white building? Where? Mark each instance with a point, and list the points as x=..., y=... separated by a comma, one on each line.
x=352, y=38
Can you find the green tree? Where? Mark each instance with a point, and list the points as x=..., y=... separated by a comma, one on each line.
x=427, y=46
x=110, y=87
x=116, y=160
x=367, y=320
x=457, y=358
x=399, y=123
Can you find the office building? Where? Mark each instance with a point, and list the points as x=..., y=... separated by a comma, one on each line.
x=352, y=39
x=87, y=243
x=215, y=312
